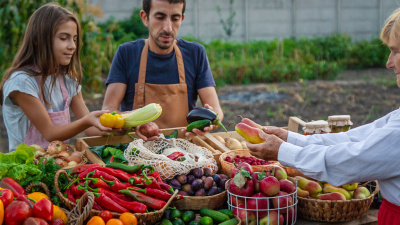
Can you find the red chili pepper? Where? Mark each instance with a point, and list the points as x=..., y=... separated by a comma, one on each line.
x=75, y=191
x=161, y=194
x=9, y=183
x=134, y=206
x=70, y=196
x=43, y=209
x=83, y=168
x=85, y=173
x=156, y=175
x=99, y=174
x=122, y=175
x=147, y=200
x=150, y=182
x=175, y=155
x=108, y=193
x=135, y=180
x=109, y=204
x=116, y=185
x=167, y=187
x=98, y=183
x=112, y=159
x=97, y=206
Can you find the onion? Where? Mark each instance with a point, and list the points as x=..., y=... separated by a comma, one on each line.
x=64, y=154
x=72, y=163
x=38, y=148
x=56, y=147
x=75, y=158
x=39, y=154
x=61, y=162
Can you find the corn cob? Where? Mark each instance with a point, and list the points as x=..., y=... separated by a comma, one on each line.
x=143, y=115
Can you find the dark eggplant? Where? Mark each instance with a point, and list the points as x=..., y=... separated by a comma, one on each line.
x=201, y=113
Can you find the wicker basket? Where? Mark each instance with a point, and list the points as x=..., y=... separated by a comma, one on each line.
x=46, y=157
x=82, y=210
x=291, y=172
x=28, y=189
x=335, y=211
x=199, y=202
x=142, y=218
x=227, y=167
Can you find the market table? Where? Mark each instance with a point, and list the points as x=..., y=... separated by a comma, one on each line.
x=369, y=218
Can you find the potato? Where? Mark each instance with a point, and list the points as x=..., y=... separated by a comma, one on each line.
x=233, y=144
x=149, y=129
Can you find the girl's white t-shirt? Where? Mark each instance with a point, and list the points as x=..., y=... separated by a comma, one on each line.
x=15, y=120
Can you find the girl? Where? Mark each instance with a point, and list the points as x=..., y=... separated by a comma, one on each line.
x=44, y=81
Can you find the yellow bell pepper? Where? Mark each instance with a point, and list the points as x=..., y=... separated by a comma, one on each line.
x=37, y=196
x=112, y=120
x=1, y=212
x=59, y=214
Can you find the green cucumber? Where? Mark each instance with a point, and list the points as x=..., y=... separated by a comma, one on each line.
x=215, y=215
x=165, y=222
x=200, y=124
x=188, y=216
x=124, y=167
x=194, y=223
x=227, y=212
x=233, y=221
x=178, y=222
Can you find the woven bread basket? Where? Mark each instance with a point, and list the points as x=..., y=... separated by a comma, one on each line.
x=227, y=167
x=142, y=218
x=199, y=202
x=334, y=211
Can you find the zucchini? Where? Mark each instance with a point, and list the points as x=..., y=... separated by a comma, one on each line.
x=233, y=221
x=124, y=167
x=200, y=124
x=215, y=215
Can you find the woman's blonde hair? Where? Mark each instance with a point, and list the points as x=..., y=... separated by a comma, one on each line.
x=391, y=30
x=35, y=55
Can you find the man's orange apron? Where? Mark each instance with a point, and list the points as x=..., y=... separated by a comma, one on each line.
x=173, y=98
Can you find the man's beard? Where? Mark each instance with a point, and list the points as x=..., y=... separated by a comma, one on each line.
x=160, y=44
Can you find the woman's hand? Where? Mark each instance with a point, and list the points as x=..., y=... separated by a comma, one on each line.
x=204, y=131
x=267, y=150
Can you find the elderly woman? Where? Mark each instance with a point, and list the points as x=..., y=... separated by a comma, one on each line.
x=368, y=152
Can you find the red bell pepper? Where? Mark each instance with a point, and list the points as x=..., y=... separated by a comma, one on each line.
x=116, y=185
x=109, y=204
x=83, y=168
x=9, y=183
x=43, y=209
x=147, y=200
x=175, y=155
x=16, y=212
x=6, y=196
x=134, y=206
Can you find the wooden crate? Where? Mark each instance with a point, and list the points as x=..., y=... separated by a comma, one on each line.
x=84, y=143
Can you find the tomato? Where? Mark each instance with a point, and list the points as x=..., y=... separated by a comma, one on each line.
x=96, y=220
x=106, y=215
x=114, y=222
x=128, y=219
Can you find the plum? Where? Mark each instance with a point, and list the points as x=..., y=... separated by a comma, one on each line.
x=200, y=192
x=213, y=191
x=182, y=179
x=208, y=183
x=197, y=184
x=190, y=178
x=188, y=189
x=197, y=172
x=208, y=172
x=175, y=183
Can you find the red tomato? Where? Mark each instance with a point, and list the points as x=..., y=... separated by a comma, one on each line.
x=106, y=215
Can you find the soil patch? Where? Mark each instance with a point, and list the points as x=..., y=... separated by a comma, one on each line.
x=365, y=95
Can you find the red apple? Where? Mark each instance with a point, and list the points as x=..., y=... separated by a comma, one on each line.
x=57, y=222
x=235, y=200
x=260, y=203
x=287, y=186
x=246, y=190
x=246, y=166
x=270, y=186
x=234, y=171
x=278, y=172
x=290, y=216
x=273, y=218
x=282, y=201
x=255, y=180
x=246, y=216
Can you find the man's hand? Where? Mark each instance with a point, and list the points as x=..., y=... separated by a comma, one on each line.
x=139, y=134
x=267, y=150
x=205, y=130
x=279, y=132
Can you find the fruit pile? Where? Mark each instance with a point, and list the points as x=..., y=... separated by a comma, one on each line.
x=199, y=182
x=208, y=217
x=325, y=191
x=268, y=195
x=248, y=159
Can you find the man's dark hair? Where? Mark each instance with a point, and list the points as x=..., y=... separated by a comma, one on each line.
x=147, y=5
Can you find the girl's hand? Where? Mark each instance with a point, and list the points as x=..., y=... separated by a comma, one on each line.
x=93, y=119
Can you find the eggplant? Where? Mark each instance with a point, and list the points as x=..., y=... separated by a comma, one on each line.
x=201, y=113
